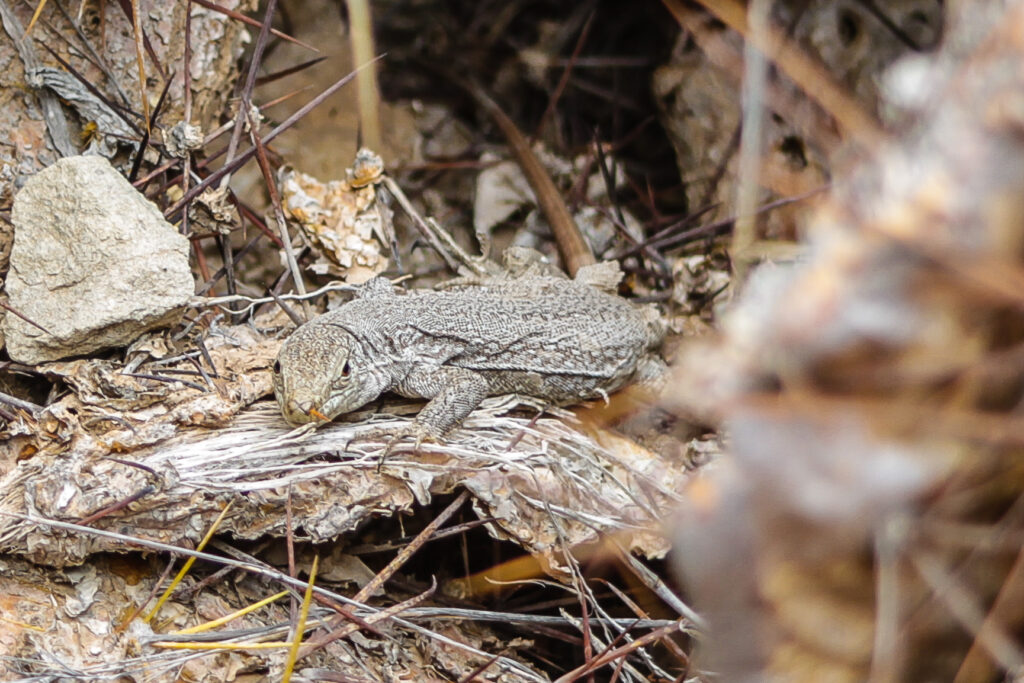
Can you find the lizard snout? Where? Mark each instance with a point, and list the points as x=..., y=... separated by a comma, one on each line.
x=299, y=412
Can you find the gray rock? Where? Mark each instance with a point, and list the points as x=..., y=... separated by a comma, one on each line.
x=94, y=262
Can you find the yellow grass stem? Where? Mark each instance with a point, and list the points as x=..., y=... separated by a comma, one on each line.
x=361, y=25
x=199, y=628
x=188, y=564
x=301, y=627
x=195, y=645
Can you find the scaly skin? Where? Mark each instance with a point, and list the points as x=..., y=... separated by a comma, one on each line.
x=549, y=338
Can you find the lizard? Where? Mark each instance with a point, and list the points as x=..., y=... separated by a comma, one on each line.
x=529, y=331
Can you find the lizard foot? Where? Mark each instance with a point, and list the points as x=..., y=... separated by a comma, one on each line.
x=419, y=433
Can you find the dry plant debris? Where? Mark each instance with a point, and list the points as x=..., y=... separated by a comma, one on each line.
x=840, y=435
x=859, y=528
x=344, y=221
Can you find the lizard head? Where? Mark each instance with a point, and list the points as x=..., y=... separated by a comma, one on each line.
x=317, y=374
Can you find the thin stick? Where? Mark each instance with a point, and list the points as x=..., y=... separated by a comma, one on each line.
x=289, y=532
x=383, y=575
x=549, y=111
x=222, y=300
x=282, y=224
x=612, y=655
x=242, y=158
x=250, y=83
x=431, y=232
x=24, y=317
x=152, y=592
x=989, y=635
x=22, y=404
x=237, y=16
x=140, y=56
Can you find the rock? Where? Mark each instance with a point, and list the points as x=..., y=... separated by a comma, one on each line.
x=93, y=262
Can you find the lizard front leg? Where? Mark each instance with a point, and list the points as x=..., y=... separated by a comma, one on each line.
x=453, y=393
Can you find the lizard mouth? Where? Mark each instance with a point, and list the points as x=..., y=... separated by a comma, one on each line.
x=302, y=413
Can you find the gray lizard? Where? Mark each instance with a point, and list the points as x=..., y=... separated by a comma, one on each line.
x=531, y=333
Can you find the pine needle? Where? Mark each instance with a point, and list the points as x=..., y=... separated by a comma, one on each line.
x=194, y=645
x=301, y=626
x=199, y=628
x=188, y=564
x=35, y=16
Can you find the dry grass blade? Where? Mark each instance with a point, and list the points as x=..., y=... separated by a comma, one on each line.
x=532, y=620
x=188, y=564
x=202, y=645
x=126, y=7
x=361, y=35
x=35, y=16
x=300, y=628
x=199, y=628
x=744, y=234
x=140, y=56
x=619, y=652
x=1005, y=613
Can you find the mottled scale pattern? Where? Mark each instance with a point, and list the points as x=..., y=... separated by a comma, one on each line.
x=550, y=338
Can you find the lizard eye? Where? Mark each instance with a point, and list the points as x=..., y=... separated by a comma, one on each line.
x=277, y=367
x=340, y=380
